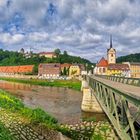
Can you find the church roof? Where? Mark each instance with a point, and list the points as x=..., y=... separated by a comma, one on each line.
x=118, y=67
x=111, y=45
x=102, y=63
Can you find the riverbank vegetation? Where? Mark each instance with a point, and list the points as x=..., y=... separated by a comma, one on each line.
x=4, y=133
x=73, y=84
x=41, y=119
x=13, y=104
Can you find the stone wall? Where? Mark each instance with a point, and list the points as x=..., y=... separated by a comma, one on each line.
x=21, y=129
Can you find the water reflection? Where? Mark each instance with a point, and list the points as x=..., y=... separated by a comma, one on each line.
x=63, y=103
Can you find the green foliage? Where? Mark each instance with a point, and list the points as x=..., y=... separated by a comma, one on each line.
x=57, y=52
x=97, y=137
x=5, y=134
x=73, y=84
x=65, y=71
x=90, y=119
x=75, y=134
x=10, y=58
x=129, y=58
x=102, y=134
x=65, y=53
x=13, y=104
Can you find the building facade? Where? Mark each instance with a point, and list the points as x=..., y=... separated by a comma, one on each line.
x=134, y=69
x=101, y=67
x=74, y=70
x=47, y=54
x=122, y=70
x=109, y=66
x=49, y=70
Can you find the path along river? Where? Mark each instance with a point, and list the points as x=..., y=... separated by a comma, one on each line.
x=63, y=103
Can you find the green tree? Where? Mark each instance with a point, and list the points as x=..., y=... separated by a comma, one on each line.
x=65, y=53
x=64, y=71
x=57, y=52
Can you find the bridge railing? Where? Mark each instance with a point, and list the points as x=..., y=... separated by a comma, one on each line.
x=125, y=80
x=118, y=106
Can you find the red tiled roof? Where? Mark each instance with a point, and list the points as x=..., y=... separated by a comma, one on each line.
x=49, y=65
x=49, y=68
x=47, y=53
x=102, y=63
x=65, y=65
x=16, y=69
x=118, y=67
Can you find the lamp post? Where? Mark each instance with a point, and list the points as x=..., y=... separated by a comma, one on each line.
x=87, y=68
x=92, y=69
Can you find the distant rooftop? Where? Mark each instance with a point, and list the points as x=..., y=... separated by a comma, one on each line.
x=46, y=53
x=102, y=63
x=135, y=63
x=118, y=67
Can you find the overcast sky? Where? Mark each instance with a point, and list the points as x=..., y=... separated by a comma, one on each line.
x=81, y=27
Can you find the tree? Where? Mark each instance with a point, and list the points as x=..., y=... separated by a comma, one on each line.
x=64, y=71
x=57, y=52
x=65, y=53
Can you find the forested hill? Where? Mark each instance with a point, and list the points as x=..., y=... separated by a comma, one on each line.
x=131, y=58
x=11, y=58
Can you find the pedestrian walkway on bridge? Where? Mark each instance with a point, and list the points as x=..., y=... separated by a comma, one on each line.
x=125, y=88
x=120, y=102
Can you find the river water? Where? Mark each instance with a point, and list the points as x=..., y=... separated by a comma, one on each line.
x=63, y=103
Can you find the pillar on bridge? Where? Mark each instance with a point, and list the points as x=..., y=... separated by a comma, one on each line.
x=84, y=85
x=89, y=102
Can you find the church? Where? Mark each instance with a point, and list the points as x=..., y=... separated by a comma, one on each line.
x=109, y=66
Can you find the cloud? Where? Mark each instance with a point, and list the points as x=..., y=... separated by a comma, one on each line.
x=82, y=27
x=9, y=39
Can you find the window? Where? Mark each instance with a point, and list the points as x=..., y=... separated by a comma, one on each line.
x=112, y=55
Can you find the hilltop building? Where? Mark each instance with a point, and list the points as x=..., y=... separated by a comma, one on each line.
x=26, y=54
x=22, y=51
x=109, y=66
x=47, y=54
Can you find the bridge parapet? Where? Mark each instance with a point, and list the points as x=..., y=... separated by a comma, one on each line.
x=125, y=80
x=122, y=109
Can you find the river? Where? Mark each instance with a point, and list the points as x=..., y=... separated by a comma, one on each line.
x=63, y=103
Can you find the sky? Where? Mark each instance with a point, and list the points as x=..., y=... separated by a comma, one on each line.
x=81, y=27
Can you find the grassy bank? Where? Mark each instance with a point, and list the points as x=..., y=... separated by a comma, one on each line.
x=4, y=133
x=35, y=116
x=73, y=84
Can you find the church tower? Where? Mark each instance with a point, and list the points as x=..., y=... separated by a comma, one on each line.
x=111, y=53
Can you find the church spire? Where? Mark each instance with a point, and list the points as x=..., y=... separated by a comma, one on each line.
x=110, y=41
